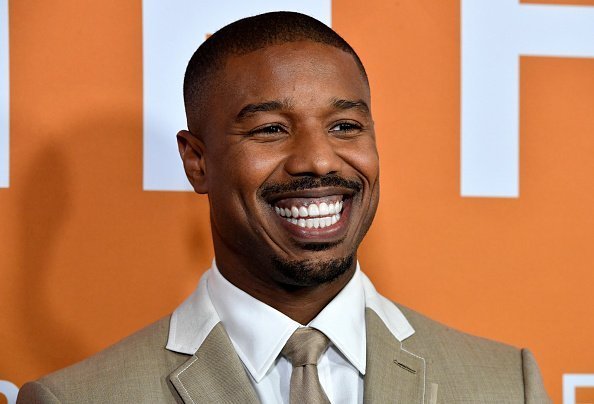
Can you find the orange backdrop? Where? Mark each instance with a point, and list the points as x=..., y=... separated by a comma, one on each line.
x=87, y=257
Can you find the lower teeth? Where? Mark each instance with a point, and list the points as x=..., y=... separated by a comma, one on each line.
x=316, y=223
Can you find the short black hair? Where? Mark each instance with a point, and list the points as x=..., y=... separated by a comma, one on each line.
x=247, y=35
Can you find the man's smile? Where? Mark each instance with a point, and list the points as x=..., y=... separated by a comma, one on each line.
x=311, y=213
x=312, y=209
x=311, y=217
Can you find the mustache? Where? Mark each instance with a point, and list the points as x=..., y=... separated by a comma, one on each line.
x=302, y=183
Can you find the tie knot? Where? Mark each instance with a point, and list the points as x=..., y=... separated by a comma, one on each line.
x=305, y=347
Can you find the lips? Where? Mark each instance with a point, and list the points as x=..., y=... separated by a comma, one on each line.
x=313, y=216
x=312, y=209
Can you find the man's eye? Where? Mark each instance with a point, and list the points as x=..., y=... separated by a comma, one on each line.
x=345, y=127
x=268, y=130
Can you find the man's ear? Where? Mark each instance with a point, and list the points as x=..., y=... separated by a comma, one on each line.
x=191, y=150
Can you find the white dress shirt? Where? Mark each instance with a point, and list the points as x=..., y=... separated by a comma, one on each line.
x=258, y=333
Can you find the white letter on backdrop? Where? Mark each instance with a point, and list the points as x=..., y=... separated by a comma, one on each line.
x=573, y=381
x=4, y=94
x=494, y=35
x=9, y=390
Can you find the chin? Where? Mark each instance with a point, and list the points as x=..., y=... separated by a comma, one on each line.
x=313, y=272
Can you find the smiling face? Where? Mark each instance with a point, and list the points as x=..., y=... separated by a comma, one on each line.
x=287, y=155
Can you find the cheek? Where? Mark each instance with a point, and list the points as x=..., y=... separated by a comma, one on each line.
x=243, y=168
x=258, y=162
x=363, y=157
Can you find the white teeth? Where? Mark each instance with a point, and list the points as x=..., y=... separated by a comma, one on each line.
x=317, y=223
x=319, y=216
x=331, y=210
x=313, y=210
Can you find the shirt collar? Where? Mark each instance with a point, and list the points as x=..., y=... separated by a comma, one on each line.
x=258, y=332
x=192, y=321
x=343, y=321
x=387, y=311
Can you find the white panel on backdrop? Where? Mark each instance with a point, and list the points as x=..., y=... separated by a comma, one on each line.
x=494, y=34
x=172, y=30
x=4, y=95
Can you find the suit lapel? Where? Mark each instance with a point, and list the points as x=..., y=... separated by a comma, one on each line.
x=393, y=375
x=214, y=374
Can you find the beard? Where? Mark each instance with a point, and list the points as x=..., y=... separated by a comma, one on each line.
x=307, y=273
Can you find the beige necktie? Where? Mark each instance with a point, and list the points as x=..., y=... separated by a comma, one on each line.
x=304, y=349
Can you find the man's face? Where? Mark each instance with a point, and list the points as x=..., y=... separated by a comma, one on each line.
x=290, y=162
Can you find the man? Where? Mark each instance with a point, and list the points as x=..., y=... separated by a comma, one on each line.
x=281, y=138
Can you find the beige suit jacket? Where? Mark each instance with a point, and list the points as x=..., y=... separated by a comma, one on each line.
x=434, y=365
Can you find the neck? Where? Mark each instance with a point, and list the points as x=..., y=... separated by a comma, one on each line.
x=300, y=303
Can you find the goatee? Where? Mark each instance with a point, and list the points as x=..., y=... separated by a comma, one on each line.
x=312, y=272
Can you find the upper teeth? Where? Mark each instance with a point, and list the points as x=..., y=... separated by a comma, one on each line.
x=323, y=214
x=312, y=210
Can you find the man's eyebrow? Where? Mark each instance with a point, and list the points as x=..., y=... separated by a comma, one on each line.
x=351, y=104
x=265, y=106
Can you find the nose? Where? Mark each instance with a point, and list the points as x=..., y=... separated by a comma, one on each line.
x=313, y=153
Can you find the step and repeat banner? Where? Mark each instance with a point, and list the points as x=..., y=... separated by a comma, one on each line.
x=484, y=113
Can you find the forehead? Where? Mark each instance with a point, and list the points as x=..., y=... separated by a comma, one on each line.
x=295, y=69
